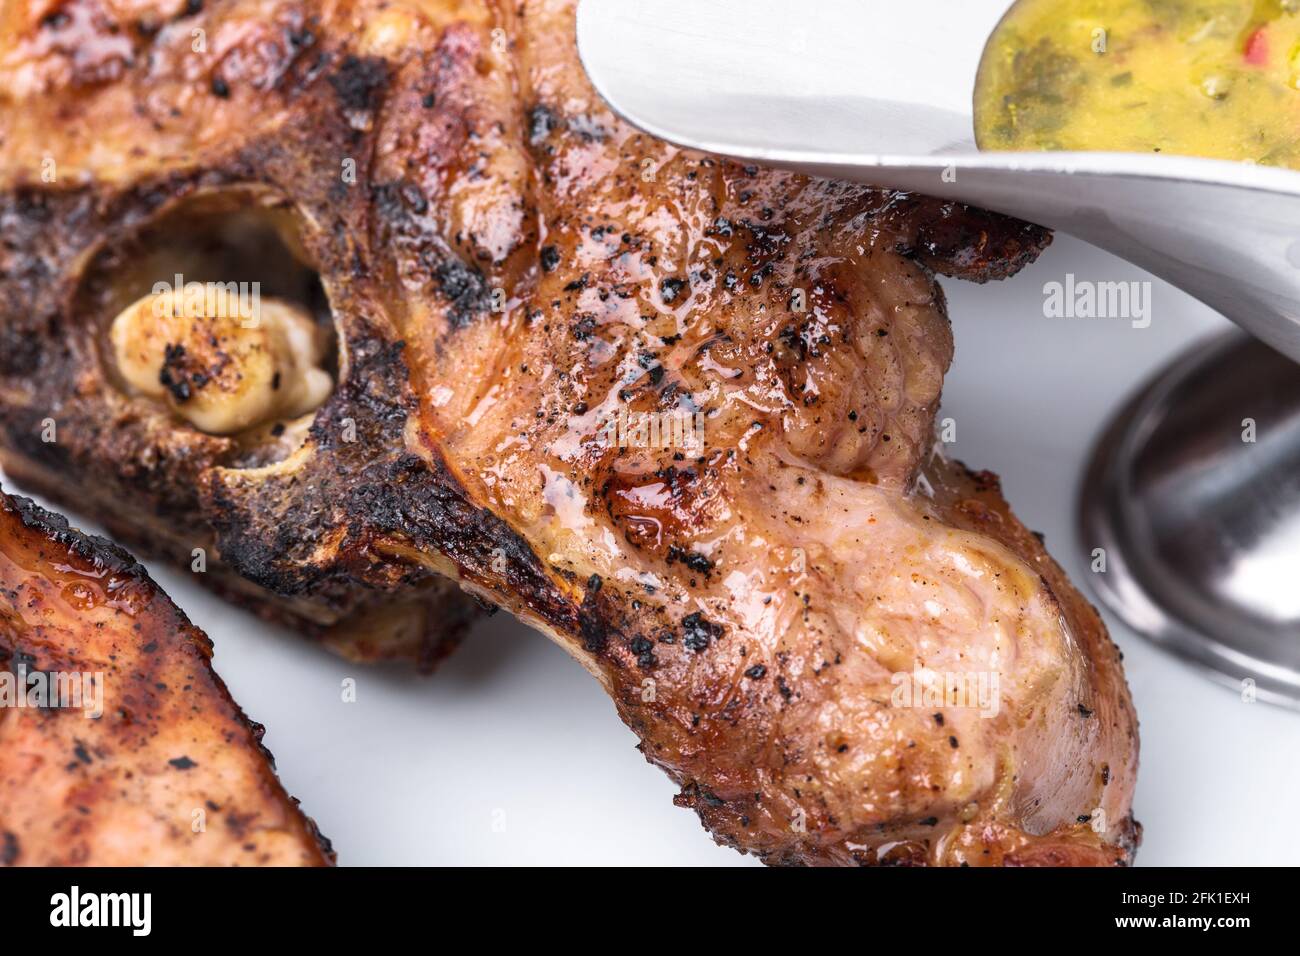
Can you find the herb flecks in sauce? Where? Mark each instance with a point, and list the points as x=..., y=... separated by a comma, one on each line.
x=1218, y=78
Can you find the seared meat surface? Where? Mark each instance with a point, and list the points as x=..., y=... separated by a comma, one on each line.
x=674, y=412
x=118, y=744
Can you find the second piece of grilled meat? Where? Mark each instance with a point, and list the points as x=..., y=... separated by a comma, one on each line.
x=119, y=746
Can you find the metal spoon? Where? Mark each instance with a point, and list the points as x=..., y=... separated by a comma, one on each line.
x=1200, y=528
x=1203, y=535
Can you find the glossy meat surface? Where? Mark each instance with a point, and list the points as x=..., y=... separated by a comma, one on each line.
x=119, y=746
x=519, y=282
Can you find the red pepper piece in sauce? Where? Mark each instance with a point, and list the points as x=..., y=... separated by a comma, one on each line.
x=1257, y=48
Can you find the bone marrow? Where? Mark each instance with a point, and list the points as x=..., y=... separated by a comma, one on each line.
x=223, y=361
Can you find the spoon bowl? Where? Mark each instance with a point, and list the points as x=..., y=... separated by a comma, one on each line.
x=1193, y=498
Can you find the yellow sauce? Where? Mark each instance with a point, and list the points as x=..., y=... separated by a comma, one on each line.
x=1217, y=78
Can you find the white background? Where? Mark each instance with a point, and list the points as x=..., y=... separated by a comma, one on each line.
x=512, y=731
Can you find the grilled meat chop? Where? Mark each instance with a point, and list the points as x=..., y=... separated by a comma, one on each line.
x=118, y=744
x=529, y=296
